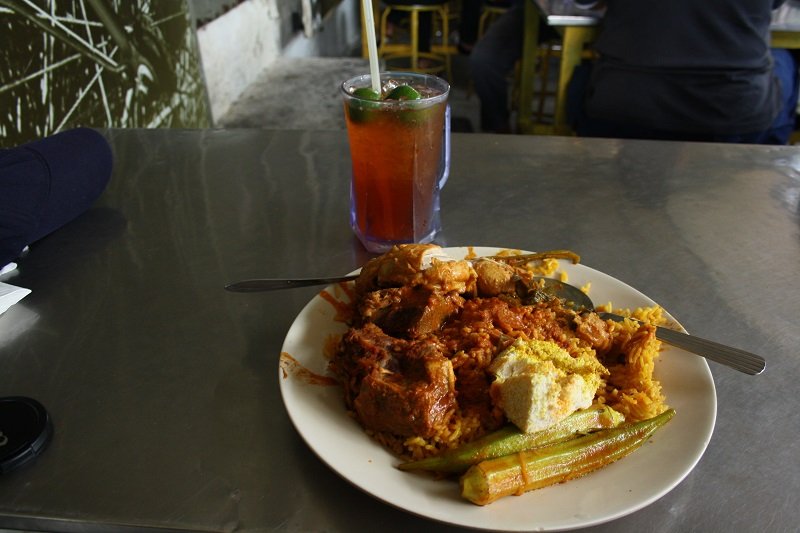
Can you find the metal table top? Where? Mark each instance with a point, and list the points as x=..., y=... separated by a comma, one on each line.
x=564, y=13
x=164, y=389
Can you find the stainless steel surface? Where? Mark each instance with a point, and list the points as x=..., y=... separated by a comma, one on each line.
x=163, y=387
x=787, y=17
x=261, y=285
x=564, y=13
x=738, y=359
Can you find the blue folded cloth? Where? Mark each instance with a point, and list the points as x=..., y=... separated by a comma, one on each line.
x=46, y=183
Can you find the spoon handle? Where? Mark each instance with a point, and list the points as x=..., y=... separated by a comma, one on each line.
x=258, y=285
x=741, y=360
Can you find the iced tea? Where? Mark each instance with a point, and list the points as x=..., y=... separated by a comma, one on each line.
x=397, y=147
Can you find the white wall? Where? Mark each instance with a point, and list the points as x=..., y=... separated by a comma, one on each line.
x=239, y=46
x=339, y=36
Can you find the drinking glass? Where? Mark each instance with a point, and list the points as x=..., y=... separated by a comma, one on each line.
x=400, y=152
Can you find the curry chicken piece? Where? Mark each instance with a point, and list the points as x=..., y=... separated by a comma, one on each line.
x=409, y=312
x=423, y=265
x=594, y=330
x=405, y=388
x=494, y=277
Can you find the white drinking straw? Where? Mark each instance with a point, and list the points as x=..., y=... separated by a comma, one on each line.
x=372, y=46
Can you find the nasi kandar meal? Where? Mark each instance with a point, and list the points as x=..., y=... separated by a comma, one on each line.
x=471, y=368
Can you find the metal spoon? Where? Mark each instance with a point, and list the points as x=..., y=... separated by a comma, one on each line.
x=258, y=285
x=740, y=360
x=266, y=284
x=733, y=357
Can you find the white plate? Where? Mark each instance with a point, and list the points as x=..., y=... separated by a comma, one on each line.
x=319, y=415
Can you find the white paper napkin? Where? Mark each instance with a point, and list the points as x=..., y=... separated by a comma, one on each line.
x=9, y=295
x=11, y=267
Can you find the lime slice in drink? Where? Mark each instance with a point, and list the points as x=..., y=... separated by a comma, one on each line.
x=367, y=93
x=403, y=92
x=361, y=105
x=413, y=115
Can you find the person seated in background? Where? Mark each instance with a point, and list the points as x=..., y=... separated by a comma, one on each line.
x=492, y=60
x=469, y=21
x=686, y=70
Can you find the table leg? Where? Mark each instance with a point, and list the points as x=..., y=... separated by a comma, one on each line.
x=575, y=37
x=527, y=68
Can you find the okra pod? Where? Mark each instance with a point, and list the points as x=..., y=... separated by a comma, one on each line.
x=528, y=470
x=510, y=440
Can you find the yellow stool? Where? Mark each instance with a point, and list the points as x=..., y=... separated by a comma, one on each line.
x=441, y=27
x=549, y=51
x=439, y=53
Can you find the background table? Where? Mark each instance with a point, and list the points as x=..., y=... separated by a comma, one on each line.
x=578, y=28
x=164, y=388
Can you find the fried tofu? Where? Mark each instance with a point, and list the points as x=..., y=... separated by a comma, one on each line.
x=538, y=383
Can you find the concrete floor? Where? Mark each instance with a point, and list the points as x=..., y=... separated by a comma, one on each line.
x=272, y=100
